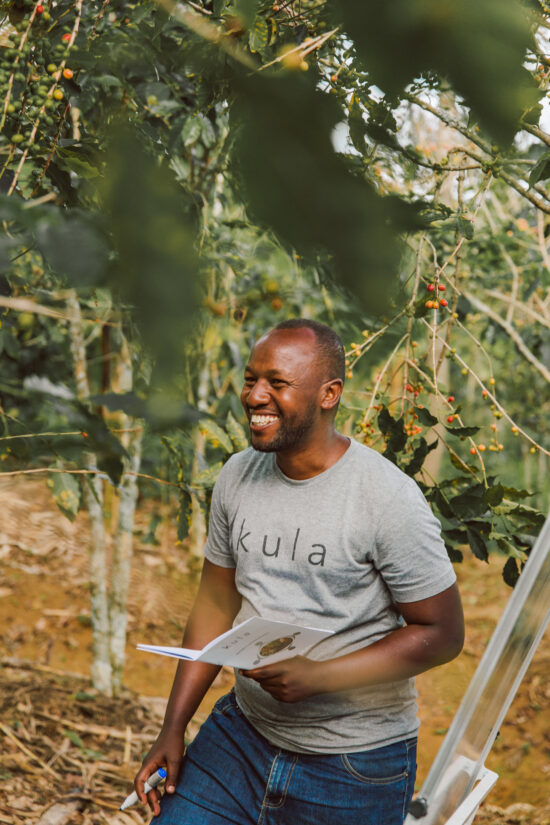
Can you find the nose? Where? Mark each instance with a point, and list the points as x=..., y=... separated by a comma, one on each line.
x=256, y=395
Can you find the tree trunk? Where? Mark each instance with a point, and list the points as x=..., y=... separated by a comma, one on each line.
x=122, y=559
x=131, y=438
x=93, y=496
x=197, y=530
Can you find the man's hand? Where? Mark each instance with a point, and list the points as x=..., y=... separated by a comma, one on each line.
x=291, y=680
x=166, y=753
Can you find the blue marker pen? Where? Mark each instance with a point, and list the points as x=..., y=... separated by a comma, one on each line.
x=151, y=783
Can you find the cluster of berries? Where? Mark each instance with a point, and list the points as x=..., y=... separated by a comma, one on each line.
x=439, y=300
x=33, y=77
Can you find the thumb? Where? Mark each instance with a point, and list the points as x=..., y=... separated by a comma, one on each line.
x=172, y=771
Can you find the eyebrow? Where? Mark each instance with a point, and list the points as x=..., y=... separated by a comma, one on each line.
x=269, y=373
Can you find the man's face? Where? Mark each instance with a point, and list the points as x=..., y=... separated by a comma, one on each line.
x=282, y=390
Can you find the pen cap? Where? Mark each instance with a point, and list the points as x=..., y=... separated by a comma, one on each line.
x=162, y=773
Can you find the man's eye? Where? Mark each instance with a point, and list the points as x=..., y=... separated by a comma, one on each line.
x=276, y=382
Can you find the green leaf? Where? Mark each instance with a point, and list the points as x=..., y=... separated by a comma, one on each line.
x=150, y=537
x=461, y=465
x=236, y=432
x=246, y=11
x=526, y=515
x=462, y=431
x=83, y=696
x=259, y=35
x=420, y=453
x=425, y=417
x=510, y=572
x=465, y=227
x=208, y=134
x=510, y=549
x=442, y=503
x=183, y=517
x=494, y=495
x=357, y=126
x=73, y=737
x=395, y=430
x=532, y=115
x=71, y=160
x=191, y=131
x=477, y=544
x=112, y=465
x=66, y=492
x=215, y=435
x=516, y=495
x=456, y=535
x=541, y=170
x=208, y=477
x=503, y=508
x=455, y=555
x=469, y=503
x=92, y=754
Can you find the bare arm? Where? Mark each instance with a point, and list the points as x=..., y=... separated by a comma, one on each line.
x=216, y=605
x=433, y=634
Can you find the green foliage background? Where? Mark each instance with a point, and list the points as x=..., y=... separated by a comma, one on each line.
x=194, y=173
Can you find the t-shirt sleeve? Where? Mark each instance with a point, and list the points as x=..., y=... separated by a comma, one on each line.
x=409, y=553
x=218, y=544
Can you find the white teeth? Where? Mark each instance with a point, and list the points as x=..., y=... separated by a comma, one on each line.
x=262, y=420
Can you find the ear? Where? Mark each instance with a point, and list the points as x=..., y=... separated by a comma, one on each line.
x=331, y=392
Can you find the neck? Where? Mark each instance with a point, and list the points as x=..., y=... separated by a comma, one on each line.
x=311, y=459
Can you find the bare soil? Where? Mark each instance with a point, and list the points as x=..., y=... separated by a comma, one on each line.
x=68, y=755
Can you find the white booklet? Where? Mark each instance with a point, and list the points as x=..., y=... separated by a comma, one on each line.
x=252, y=643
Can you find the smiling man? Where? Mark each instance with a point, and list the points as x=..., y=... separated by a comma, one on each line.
x=311, y=527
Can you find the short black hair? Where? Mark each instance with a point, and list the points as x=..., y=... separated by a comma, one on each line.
x=329, y=345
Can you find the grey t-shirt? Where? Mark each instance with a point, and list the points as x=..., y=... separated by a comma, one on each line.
x=334, y=551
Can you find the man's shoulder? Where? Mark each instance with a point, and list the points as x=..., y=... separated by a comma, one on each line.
x=377, y=468
x=245, y=462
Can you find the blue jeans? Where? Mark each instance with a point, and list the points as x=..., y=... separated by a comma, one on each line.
x=231, y=775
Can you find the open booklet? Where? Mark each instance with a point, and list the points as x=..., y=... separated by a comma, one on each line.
x=254, y=642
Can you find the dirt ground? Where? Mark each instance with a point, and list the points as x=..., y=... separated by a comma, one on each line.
x=68, y=755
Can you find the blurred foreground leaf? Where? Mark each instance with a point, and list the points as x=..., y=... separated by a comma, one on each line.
x=153, y=230
x=295, y=181
x=479, y=45
x=73, y=247
x=161, y=410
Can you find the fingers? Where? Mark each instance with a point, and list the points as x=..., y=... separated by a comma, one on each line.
x=142, y=776
x=153, y=798
x=172, y=771
x=260, y=673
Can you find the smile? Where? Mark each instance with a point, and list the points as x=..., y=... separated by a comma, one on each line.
x=261, y=420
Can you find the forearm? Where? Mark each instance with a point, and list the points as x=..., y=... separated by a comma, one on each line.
x=401, y=654
x=213, y=613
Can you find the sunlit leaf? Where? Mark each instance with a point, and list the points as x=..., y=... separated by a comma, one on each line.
x=236, y=432
x=66, y=492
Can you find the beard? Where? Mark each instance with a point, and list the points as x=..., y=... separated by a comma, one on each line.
x=290, y=434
